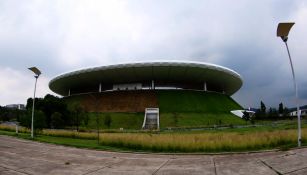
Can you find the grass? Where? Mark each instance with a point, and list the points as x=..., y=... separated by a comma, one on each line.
x=134, y=121
x=185, y=101
x=203, y=142
x=118, y=120
x=240, y=139
x=75, y=142
x=178, y=108
x=13, y=128
x=69, y=134
x=169, y=120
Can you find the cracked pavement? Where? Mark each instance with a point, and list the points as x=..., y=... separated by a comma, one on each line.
x=18, y=156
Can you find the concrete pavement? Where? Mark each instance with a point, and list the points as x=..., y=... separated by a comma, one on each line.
x=21, y=157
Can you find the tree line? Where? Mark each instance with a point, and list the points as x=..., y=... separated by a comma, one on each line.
x=9, y=114
x=50, y=112
x=272, y=113
x=53, y=112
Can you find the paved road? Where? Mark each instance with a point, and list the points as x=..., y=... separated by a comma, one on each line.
x=21, y=157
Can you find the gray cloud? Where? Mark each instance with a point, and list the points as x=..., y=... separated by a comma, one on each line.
x=58, y=36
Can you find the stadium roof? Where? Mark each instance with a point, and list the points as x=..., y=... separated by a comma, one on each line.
x=166, y=71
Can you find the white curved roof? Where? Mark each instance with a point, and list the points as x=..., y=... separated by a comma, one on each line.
x=171, y=71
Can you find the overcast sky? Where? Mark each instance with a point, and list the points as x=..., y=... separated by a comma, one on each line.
x=60, y=36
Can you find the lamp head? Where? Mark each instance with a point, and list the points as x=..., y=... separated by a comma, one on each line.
x=36, y=71
x=283, y=30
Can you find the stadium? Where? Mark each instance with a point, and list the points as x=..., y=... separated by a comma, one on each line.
x=170, y=93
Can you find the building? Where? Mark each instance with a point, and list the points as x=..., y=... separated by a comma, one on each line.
x=302, y=111
x=148, y=76
x=167, y=87
x=133, y=87
x=16, y=106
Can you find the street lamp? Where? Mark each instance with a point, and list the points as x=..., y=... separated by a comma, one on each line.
x=282, y=32
x=37, y=72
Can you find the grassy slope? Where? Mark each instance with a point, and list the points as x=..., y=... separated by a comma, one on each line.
x=198, y=120
x=118, y=120
x=195, y=101
x=196, y=108
x=177, y=109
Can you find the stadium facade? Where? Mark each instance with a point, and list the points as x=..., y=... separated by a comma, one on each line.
x=152, y=88
x=148, y=76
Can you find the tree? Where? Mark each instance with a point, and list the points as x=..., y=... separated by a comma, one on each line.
x=10, y=114
x=107, y=120
x=39, y=103
x=4, y=114
x=175, y=114
x=281, y=109
x=246, y=116
x=98, y=126
x=52, y=104
x=96, y=103
x=286, y=112
x=48, y=105
x=57, y=120
x=25, y=120
x=77, y=113
x=262, y=107
x=39, y=120
x=86, y=118
x=261, y=112
x=273, y=113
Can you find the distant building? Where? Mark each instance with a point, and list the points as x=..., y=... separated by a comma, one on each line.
x=303, y=112
x=16, y=106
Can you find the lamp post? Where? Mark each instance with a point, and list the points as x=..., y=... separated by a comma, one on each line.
x=283, y=30
x=37, y=72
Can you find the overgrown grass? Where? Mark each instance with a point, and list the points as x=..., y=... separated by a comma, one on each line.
x=13, y=128
x=69, y=134
x=75, y=142
x=204, y=142
x=201, y=141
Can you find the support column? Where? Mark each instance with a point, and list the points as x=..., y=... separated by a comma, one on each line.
x=152, y=84
x=99, y=87
x=205, y=86
x=68, y=92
